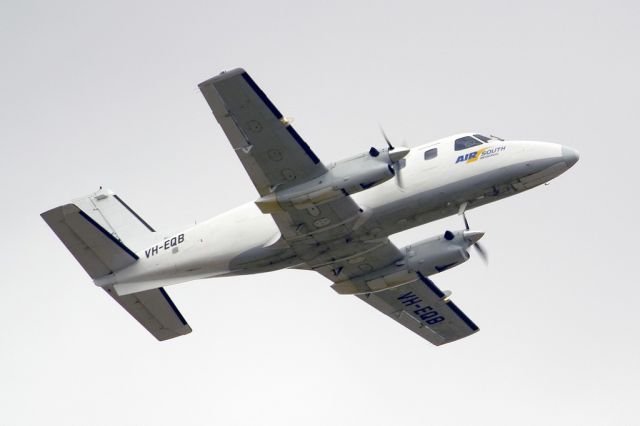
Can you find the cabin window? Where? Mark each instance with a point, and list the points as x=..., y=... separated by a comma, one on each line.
x=431, y=153
x=466, y=142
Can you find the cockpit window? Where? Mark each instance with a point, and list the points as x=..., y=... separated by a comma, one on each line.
x=431, y=153
x=482, y=138
x=487, y=139
x=466, y=142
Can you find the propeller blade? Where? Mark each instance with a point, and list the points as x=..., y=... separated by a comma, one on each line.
x=466, y=223
x=397, y=168
x=482, y=252
x=384, y=135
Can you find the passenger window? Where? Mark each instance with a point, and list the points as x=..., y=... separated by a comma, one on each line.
x=431, y=153
x=466, y=142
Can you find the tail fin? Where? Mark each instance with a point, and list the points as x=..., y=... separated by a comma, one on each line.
x=103, y=234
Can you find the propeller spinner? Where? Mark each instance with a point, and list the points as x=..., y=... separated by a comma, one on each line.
x=395, y=155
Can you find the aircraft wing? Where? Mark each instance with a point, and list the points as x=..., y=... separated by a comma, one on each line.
x=276, y=157
x=371, y=255
x=424, y=309
x=419, y=304
x=272, y=152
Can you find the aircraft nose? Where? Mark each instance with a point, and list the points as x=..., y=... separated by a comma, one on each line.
x=570, y=156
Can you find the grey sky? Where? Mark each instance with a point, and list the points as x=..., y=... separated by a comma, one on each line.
x=104, y=93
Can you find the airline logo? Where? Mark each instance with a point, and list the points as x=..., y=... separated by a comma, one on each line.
x=480, y=154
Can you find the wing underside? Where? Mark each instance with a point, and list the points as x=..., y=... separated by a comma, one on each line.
x=155, y=311
x=276, y=158
x=424, y=309
x=274, y=155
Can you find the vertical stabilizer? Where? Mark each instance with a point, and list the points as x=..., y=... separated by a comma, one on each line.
x=113, y=214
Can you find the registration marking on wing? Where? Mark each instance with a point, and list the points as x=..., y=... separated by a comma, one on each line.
x=426, y=313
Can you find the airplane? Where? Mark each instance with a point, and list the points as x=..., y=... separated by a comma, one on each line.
x=331, y=218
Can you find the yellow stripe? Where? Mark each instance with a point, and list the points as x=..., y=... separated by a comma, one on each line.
x=478, y=154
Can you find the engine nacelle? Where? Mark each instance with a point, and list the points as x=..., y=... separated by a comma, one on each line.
x=438, y=254
x=343, y=178
x=362, y=172
x=428, y=257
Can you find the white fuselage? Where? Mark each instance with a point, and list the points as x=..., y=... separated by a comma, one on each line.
x=425, y=190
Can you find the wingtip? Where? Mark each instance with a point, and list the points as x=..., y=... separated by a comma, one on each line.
x=224, y=75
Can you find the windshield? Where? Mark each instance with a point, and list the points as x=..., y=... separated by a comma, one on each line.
x=475, y=140
x=466, y=142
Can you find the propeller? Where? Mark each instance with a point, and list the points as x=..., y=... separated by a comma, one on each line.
x=481, y=251
x=395, y=155
x=386, y=139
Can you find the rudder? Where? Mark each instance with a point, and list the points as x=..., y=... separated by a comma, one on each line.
x=114, y=215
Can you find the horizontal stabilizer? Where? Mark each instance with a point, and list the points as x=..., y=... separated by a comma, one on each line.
x=95, y=228
x=155, y=311
x=98, y=251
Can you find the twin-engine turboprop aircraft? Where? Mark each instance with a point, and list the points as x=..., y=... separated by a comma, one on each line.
x=334, y=219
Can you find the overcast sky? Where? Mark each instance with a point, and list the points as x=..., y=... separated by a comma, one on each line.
x=105, y=93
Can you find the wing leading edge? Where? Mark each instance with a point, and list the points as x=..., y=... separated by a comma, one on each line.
x=424, y=309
